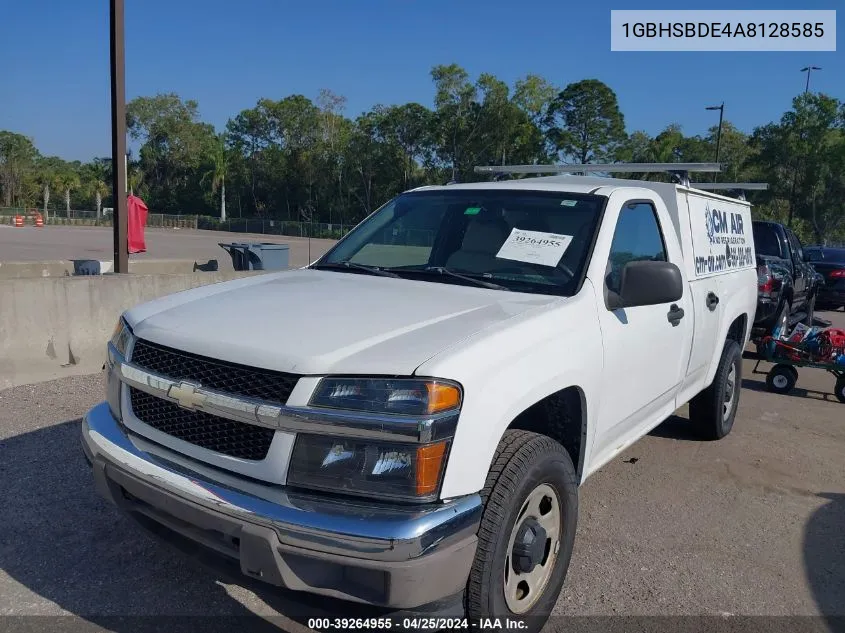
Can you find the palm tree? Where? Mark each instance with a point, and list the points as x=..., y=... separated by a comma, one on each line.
x=217, y=173
x=100, y=189
x=66, y=181
x=45, y=181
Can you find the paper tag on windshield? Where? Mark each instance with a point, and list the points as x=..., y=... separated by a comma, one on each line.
x=534, y=247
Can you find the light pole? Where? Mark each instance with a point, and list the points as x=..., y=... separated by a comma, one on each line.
x=808, y=70
x=721, y=109
x=118, y=135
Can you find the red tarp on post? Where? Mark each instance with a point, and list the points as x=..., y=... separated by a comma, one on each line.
x=137, y=212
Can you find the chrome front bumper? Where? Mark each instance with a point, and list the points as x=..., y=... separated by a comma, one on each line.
x=393, y=556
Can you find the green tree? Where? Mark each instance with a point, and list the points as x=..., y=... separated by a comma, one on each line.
x=586, y=123
x=217, y=173
x=411, y=128
x=49, y=169
x=290, y=154
x=66, y=180
x=96, y=179
x=173, y=143
x=457, y=116
x=534, y=96
x=17, y=157
x=801, y=158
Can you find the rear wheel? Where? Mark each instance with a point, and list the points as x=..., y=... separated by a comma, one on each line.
x=713, y=410
x=527, y=531
x=781, y=378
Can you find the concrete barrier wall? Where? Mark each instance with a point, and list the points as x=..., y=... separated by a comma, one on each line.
x=53, y=327
x=66, y=267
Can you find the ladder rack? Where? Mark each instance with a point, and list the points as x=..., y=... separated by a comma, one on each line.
x=737, y=189
x=679, y=171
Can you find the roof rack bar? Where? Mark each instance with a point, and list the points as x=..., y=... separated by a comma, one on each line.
x=730, y=186
x=619, y=168
x=737, y=189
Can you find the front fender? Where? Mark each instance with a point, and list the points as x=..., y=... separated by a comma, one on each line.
x=506, y=370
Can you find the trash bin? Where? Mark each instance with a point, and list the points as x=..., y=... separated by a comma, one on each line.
x=258, y=255
x=87, y=267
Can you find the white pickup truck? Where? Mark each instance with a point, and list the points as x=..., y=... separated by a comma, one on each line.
x=407, y=421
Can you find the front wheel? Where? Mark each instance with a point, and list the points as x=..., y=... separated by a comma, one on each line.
x=527, y=531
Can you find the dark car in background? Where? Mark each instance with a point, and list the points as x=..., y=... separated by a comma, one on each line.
x=829, y=262
x=787, y=285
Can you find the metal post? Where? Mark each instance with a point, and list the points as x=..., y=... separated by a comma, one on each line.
x=118, y=135
x=719, y=133
x=808, y=70
x=721, y=109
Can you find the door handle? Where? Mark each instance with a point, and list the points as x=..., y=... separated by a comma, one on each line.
x=712, y=301
x=675, y=314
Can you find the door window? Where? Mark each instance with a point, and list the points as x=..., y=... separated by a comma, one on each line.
x=797, y=249
x=637, y=238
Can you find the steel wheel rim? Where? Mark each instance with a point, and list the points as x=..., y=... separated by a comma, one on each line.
x=730, y=393
x=543, y=505
x=780, y=381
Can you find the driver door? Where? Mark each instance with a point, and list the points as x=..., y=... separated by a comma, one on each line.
x=646, y=348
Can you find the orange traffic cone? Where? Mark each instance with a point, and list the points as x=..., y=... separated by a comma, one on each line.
x=39, y=221
x=18, y=220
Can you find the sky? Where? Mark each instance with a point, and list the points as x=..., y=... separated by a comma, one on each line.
x=54, y=84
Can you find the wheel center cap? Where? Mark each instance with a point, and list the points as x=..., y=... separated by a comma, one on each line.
x=529, y=547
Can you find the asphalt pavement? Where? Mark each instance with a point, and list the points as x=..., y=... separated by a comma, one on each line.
x=751, y=525
x=93, y=242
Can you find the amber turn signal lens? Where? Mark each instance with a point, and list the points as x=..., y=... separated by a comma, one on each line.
x=429, y=467
x=442, y=397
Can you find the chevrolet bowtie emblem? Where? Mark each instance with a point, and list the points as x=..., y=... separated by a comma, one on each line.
x=186, y=396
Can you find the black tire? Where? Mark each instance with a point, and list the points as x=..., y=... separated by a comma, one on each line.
x=712, y=412
x=839, y=389
x=794, y=371
x=523, y=462
x=781, y=378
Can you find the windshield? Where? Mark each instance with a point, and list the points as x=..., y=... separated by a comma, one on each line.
x=525, y=241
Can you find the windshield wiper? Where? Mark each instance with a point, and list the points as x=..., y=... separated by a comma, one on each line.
x=451, y=273
x=347, y=265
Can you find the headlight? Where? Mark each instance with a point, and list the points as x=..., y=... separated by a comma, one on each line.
x=362, y=467
x=120, y=340
x=121, y=337
x=402, y=396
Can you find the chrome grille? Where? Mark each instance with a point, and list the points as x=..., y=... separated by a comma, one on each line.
x=229, y=437
x=215, y=374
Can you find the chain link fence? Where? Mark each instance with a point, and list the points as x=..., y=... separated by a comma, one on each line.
x=234, y=225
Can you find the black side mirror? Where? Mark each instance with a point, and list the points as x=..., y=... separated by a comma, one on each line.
x=647, y=283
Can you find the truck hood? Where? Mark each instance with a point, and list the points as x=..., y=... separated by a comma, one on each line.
x=319, y=322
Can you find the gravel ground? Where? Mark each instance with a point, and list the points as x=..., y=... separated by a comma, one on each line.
x=752, y=525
